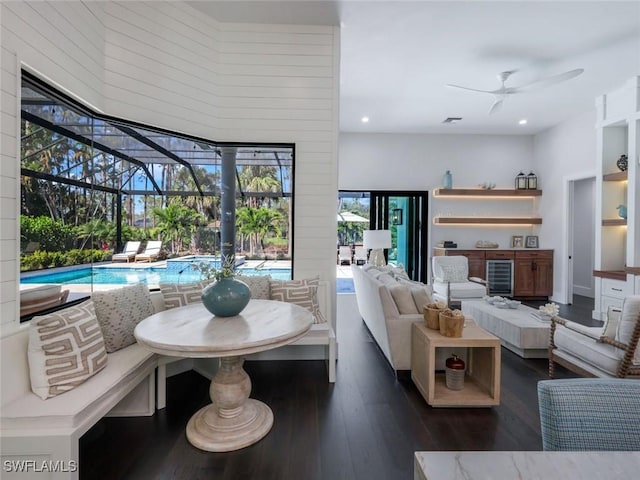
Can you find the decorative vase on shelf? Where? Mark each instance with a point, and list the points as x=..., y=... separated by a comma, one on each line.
x=623, y=163
x=447, y=180
x=226, y=297
x=622, y=211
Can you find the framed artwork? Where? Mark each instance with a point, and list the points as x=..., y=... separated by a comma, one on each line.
x=517, y=241
x=532, y=241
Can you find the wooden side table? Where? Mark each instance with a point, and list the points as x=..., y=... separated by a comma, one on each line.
x=482, y=378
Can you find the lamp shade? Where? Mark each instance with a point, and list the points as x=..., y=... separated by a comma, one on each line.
x=377, y=239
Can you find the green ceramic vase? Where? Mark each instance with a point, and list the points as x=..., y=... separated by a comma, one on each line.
x=226, y=297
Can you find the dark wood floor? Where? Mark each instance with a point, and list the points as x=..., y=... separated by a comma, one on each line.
x=366, y=426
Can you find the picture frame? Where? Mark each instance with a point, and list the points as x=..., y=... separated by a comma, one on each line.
x=517, y=241
x=531, y=241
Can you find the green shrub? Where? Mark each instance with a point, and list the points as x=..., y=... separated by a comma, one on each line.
x=51, y=234
x=41, y=259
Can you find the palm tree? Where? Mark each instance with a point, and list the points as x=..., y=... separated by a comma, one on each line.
x=257, y=223
x=175, y=223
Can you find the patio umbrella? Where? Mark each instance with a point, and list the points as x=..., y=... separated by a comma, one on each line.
x=351, y=217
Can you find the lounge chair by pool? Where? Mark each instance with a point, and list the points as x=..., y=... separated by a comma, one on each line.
x=151, y=251
x=128, y=253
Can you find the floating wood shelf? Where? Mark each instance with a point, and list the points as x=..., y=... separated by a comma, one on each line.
x=487, y=220
x=614, y=222
x=481, y=192
x=615, y=177
x=612, y=274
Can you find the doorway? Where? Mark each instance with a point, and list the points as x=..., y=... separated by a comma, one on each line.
x=581, y=244
x=404, y=214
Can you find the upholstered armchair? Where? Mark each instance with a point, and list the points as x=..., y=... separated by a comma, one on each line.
x=607, y=351
x=451, y=282
x=590, y=414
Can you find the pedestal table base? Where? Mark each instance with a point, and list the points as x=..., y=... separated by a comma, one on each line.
x=232, y=421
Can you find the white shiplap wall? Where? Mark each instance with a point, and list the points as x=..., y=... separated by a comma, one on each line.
x=62, y=42
x=164, y=64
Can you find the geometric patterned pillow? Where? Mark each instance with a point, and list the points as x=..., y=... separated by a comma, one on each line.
x=65, y=349
x=299, y=292
x=119, y=311
x=181, y=294
x=454, y=273
x=258, y=285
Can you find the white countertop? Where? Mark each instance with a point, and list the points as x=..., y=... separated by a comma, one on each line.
x=526, y=465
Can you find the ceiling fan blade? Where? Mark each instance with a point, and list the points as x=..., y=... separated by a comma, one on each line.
x=497, y=105
x=467, y=88
x=547, y=82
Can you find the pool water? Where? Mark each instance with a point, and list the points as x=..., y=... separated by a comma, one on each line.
x=150, y=276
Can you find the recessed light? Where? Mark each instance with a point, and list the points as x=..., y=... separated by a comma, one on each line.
x=364, y=119
x=523, y=121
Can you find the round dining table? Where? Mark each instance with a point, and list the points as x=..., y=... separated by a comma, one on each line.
x=233, y=420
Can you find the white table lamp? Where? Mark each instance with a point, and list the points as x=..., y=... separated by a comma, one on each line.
x=377, y=240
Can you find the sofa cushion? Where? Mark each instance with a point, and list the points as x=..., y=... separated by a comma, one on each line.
x=454, y=273
x=65, y=349
x=626, y=324
x=600, y=355
x=30, y=294
x=298, y=292
x=119, y=311
x=403, y=299
x=421, y=293
x=258, y=285
x=460, y=290
x=386, y=279
x=396, y=271
x=181, y=294
x=123, y=368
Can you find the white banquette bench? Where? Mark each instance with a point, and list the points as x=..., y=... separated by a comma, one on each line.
x=37, y=431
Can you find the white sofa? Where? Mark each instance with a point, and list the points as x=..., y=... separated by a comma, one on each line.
x=390, y=329
x=608, y=351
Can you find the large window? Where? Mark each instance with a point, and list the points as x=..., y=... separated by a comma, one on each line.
x=90, y=183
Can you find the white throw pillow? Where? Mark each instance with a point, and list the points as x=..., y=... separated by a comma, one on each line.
x=119, y=311
x=65, y=349
x=626, y=324
x=421, y=297
x=454, y=273
x=611, y=323
x=421, y=292
x=181, y=294
x=299, y=292
x=258, y=284
x=386, y=279
x=403, y=299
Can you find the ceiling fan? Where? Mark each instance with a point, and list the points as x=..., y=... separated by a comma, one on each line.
x=501, y=93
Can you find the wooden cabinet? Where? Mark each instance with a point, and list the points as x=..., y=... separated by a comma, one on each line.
x=476, y=262
x=533, y=273
x=533, y=269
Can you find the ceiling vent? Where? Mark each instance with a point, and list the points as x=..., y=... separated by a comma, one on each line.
x=452, y=120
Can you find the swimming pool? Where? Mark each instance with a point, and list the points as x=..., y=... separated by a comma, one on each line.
x=103, y=275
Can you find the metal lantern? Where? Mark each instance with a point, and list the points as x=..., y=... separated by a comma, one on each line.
x=532, y=181
x=521, y=181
